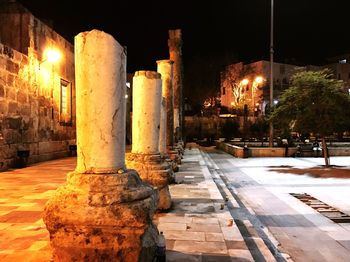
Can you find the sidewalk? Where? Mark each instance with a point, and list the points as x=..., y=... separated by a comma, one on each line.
x=198, y=228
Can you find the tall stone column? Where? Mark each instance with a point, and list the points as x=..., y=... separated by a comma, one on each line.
x=162, y=127
x=103, y=212
x=165, y=68
x=145, y=156
x=175, y=51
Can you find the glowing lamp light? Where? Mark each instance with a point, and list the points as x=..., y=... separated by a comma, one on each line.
x=232, y=103
x=259, y=79
x=53, y=55
x=245, y=81
x=50, y=55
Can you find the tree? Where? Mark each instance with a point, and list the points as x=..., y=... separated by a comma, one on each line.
x=259, y=128
x=229, y=129
x=314, y=103
x=232, y=77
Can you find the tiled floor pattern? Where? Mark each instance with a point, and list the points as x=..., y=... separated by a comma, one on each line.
x=23, y=194
x=198, y=228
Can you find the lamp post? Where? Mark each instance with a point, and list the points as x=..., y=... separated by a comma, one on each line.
x=271, y=74
x=257, y=81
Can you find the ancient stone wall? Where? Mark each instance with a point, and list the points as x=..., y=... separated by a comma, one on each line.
x=35, y=115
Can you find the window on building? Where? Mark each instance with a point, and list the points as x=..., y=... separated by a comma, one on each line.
x=349, y=75
x=339, y=77
x=223, y=90
x=65, y=103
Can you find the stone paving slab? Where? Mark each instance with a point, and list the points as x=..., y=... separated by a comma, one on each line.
x=23, y=194
x=302, y=232
x=196, y=229
x=205, y=232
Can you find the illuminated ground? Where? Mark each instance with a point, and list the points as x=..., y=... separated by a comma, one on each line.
x=267, y=221
x=263, y=185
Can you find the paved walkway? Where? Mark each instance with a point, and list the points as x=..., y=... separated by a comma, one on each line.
x=199, y=227
x=23, y=194
x=224, y=209
x=263, y=186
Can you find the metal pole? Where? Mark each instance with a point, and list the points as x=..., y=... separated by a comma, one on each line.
x=271, y=74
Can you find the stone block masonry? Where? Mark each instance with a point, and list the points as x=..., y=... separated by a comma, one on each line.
x=28, y=120
x=31, y=115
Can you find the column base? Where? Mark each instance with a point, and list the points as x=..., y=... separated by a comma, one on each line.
x=104, y=217
x=172, y=165
x=180, y=148
x=155, y=171
x=174, y=156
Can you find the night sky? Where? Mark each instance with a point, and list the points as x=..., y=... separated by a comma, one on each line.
x=215, y=34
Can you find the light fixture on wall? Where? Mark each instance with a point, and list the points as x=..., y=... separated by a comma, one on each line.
x=51, y=55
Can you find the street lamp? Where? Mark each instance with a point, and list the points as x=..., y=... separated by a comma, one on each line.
x=271, y=75
x=245, y=82
x=257, y=81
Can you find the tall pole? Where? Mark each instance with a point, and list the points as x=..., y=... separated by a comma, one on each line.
x=271, y=74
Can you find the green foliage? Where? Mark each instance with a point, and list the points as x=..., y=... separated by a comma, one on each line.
x=259, y=128
x=229, y=129
x=314, y=103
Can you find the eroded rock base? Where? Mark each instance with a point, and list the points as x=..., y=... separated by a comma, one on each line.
x=154, y=170
x=104, y=217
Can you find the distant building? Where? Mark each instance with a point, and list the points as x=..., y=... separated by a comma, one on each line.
x=245, y=87
x=37, y=93
x=340, y=66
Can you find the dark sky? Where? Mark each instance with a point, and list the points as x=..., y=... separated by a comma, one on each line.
x=215, y=32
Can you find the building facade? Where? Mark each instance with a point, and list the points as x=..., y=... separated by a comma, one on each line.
x=247, y=85
x=37, y=88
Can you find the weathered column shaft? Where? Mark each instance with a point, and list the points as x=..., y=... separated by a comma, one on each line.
x=101, y=111
x=103, y=212
x=175, y=51
x=163, y=126
x=165, y=68
x=147, y=94
x=145, y=157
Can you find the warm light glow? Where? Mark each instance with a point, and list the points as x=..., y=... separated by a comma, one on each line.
x=52, y=55
x=126, y=96
x=259, y=79
x=232, y=103
x=245, y=81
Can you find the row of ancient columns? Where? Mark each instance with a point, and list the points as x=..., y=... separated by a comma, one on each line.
x=104, y=211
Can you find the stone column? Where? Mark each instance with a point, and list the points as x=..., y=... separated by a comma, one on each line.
x=163, y=126
x=145, y=156
x=103, y=212
x=165, y=68
x=175, y=51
